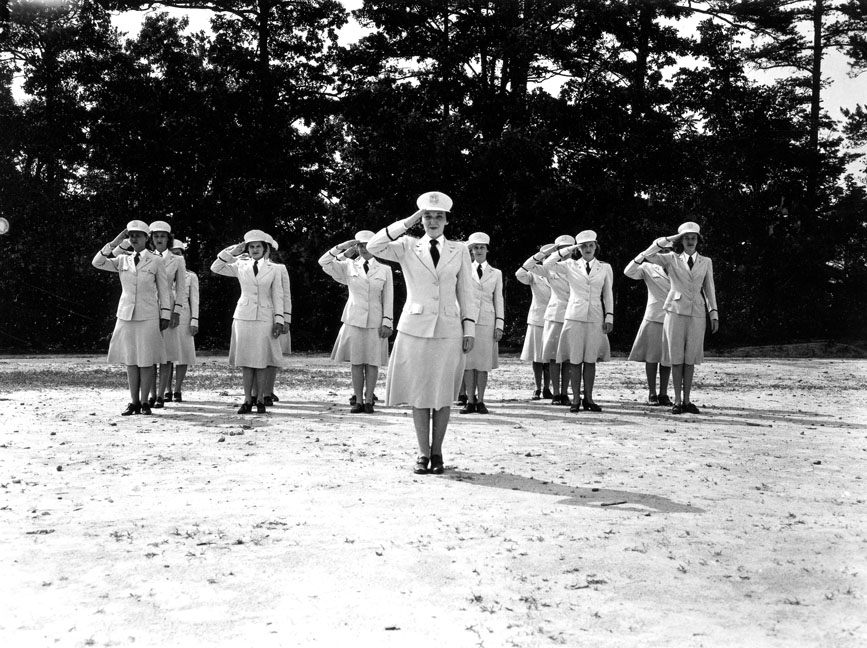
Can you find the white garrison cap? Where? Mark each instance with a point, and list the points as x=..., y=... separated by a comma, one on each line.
x=478, y=238
x=564, y=240
x=434, y=201
x=161, y=226
x=585, y=237
x=180, y=244
x=257, y=235
x=689, y=228
x=363, y=236
x=138, y=226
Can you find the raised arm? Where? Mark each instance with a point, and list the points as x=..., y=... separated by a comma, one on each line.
x=386, y=243
x=105, y=258
x=225, y=263
x=332, y=262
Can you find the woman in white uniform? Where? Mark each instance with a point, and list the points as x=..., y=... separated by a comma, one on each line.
x=258, y=318
x=647, y=347
x=488, y=299
x=531, y=275
x=161, y=242
x=187, y=329
x=285, y=338
x=368, y=317
x=437, y=325
x=690, y=301
x=143, y=311
x=589, y=316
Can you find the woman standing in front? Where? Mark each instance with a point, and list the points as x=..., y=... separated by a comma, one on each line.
x=143, y=311
x=488, y=299
x=589, y=316
x=437, y=325
x=258, y=318
x=367, y=318
x=690, y=301
x=188, y=299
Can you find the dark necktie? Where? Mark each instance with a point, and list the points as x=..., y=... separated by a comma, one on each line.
x=137, y=258
x=690, y=263
x=255, y=268
x=366, y=266
x=434, y=252
x=588, y=268
x=479, y=271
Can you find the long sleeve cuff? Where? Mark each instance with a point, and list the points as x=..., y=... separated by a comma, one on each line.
x=225, y=256
x=609, y=318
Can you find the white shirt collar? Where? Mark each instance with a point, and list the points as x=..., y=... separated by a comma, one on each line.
x=484, y=265
x=685, y=256
x=439, y=239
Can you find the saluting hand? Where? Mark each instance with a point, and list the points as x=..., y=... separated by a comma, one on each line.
x=119, y=238
x=238, y=249
x=346, y=244
x=412, y=220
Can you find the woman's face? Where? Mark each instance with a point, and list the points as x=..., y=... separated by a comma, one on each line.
x=361, y=248
x=479, y=252
x=588, y=250
x=161, y=240
x=689, y=242
x=434, y=222
x=256, y=249
x=138, y=240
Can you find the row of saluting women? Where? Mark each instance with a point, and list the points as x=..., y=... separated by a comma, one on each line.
x=450, y=326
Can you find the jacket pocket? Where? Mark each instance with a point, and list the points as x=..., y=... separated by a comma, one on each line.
x=415, y=309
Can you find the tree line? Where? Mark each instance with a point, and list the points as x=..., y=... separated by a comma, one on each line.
x=538, y=117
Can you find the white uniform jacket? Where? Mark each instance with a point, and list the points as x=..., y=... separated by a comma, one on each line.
x=531, y=275
x=259, y=292
x=555, y=273
x=371, y=294
x=176, y=271
x=287, y=293
x=190, y=297
x=658, y=285
x=439, y=300
x=692, y=291
x=145, y=289
x=488, y=294
x=591, y=297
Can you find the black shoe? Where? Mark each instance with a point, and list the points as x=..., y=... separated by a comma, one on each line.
x=593, y=407
x=167, y=397
x=537, y=395
x=420, y=466
x=145, y=409
x=481, y=408
x=468, y=408
x=178, y=398
x=653, y=400
x=269, y=402
x=274, y=398
x=665, y=401
x=245, y=408
x=575, y=407
x=677, y=409
x=151, y=401
x=556, y=399
x=352, y=400
x=462, y=399
x=358, y=408
x=546, y=393
x=131, y=408
x=158, y=404
x=260, y=408
x=368, y=408
x=375, y=399
x=689, y=408
x=436, y=464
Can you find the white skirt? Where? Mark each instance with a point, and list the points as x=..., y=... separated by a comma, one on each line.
x=137, y=343
x=583, y=342
x=184, y=339
x=253, y=345
x=682, y=339
x=551, y=340
x=532, y=351
x=486, y=349
x=360, y=346
x=648, y=343
x=424, y=372
x=286, y=343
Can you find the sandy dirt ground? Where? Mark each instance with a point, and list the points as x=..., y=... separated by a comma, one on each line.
x=745, y=526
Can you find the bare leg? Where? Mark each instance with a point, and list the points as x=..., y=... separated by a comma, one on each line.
x=575, y=375
x=421, y=421
x=565, y=375
x=469, y=385
x=371, y=375
x=357, y=372
x=180, y=374
x=261, y=384
x=133, y=376
x=147, y=376
x=538, y=372
x=248, y=374
x=481, y=384
x=270, y=379
x=650, y=372
x=165, y=374
x=688, y=373
x=589, y=380
x=664, y=374
x=677, y=379
x=554, y=372
x=440, y=423
x=546, y=374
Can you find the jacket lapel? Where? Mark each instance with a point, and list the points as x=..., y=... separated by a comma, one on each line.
x=424, y=256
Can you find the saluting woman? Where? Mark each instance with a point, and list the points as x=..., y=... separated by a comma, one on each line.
x=161, y=242
x=689, y=303
x=531, y=275
x=589, y=316
x=368, y=316
x=437, y=325
x=188, y=299
x=488, y=299
x=258, y=319
x=142, y=312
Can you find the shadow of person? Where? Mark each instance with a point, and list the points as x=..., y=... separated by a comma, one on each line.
x=575, y=496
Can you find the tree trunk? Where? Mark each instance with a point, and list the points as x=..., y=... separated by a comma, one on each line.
x=815, y=108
